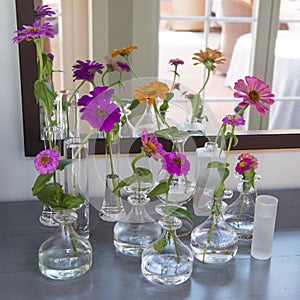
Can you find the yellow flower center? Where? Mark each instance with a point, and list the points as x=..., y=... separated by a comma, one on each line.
x=177, y=161
x=101, y=113
x=151, y=147
x=242, y=164
x=254, y=95
x=44, y=159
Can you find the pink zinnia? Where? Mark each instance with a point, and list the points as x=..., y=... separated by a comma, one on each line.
x=254, y=92
x=152, y=146
x=46, y=161
x=250, y=157
x=234, y=119
x=243, y=165
x=176, y=163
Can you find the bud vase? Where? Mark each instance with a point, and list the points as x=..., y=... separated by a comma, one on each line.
x=112, y=208
x=65, y=255
x=214, y=241
x=167, y=261
x=76, y=180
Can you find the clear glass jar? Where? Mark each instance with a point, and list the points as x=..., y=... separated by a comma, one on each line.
x=214, y=241
x=171, y=264
x=65, y=254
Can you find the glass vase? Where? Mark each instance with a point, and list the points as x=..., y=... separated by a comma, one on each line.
x=65, y=255
x=76, y=180
x=240, y=214
x=214, y=241
x=137, y=229
x=52, y=137
x=112, y=208
x=168, y=261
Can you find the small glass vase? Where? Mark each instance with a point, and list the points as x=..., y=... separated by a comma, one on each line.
x=173, y=263
x=65, y=255
x=137, y=229
x=76, y=180
x=240, y=214
x=112, y=208
x=214, y=241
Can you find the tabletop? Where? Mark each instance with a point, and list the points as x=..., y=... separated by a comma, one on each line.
x=115, y=276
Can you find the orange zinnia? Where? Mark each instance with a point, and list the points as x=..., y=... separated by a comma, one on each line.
x=123, y=51
x=151, y=92
x=209, y=58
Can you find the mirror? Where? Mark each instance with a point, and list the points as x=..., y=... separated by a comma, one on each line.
x=31, y=122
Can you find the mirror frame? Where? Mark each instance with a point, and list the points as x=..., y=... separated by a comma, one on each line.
x=250, y=140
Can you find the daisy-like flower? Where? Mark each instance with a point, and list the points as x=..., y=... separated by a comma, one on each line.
x=254, y=92
x=152, y=147
x=34, y=31
x=46, y=161
x=234, y=119
x=86, y=70
x=152, y=91
x=176, y=163
x=116, y=65
x=176, y=61
x=86, y=99
x=250, y=157
x=41, y=11
x=123, y=51
x=209, y=58
x=242, y=166
x=101, y=113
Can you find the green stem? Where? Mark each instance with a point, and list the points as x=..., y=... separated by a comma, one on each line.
x=135, y=160
x=205, y=83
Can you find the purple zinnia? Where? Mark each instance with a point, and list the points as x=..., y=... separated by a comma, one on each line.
x=42, y=11
x=46, y=161
x=86, y=70
x=86, y=99
x=101, y=113
x=234, y=119
x=176, y=163
x=243, y=165
x=152, y=146
x=254, y=92
x=34, y=31
x=114, y=65
x=176, y=61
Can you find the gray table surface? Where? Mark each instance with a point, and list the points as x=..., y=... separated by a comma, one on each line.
x=115, y=276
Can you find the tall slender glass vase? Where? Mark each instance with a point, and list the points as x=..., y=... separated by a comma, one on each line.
x=52, y=137
x=76, y=180
x=112, y=208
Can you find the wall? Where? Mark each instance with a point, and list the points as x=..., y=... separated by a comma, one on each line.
x=279, y=169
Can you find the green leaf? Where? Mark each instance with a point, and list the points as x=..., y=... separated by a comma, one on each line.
x=160, y=189
x=164, y=106
x=50, y=195
x=159, y=245
x=219, y=191
x=69, y=201
x=134, y=104
x=144, y=175
x=178, y=212
x=196, y=102
x=40, y=183
x=63, y=163
x=125, y=182
x=44, y=92
x=48, y=64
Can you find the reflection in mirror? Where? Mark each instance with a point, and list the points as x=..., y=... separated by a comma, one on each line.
x=33, y=143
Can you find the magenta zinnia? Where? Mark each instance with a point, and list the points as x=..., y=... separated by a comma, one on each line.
x=86, y=70
x=101, y=113
x=152, y=146
x=176, y=163
x=250, y=157
x=46, y=161
x=254, y=92
x=243, y=165
x=234, y=119
x=86, y=99
x=41, y=11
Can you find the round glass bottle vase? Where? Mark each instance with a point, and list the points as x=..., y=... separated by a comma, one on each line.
x=207, y=178
x=76, y=180
x=167, y=261
x=214, y=241
x=112, y=208
x=240, y=214
x=137, y=229
x=65, y=254
x=52, y=137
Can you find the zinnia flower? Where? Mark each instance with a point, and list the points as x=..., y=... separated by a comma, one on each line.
x=34, y=31
x=86, y=99
x=254, y=92
x=151, y=92
x=152, y=146
x=209, y=58
x=234, y=119
x=116, y=65
x=46, y=161
x=123, y=51
x=42, y=11
x=176, y=61
x=243, y=165
x=250, y=157
x=101, y=113
x=176, y=163
x=86, y=70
